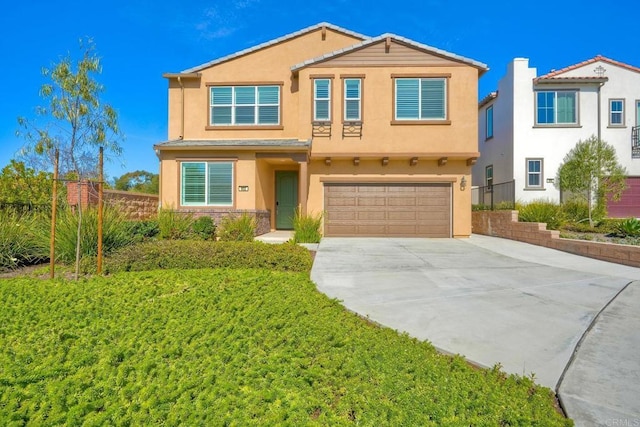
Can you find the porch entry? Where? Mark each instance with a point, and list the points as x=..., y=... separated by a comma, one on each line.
x=286, y=198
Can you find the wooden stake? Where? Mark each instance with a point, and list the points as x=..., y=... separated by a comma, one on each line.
x=54, y=205
x=100, y=186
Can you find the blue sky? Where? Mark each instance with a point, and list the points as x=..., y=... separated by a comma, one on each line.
x=140, y=40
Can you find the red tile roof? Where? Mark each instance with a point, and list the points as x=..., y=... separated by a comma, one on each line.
x=591, y=61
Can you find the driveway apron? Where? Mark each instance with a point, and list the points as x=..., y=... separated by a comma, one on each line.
x=498, y=301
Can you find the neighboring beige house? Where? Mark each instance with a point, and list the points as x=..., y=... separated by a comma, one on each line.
x=378, y=134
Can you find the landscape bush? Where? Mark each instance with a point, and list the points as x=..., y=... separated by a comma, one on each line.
x=204, y=228
x=576, y=211
x=174, y=225
x=307, y=228
x=183, y=254
x=116, y=232
x=237, y=228
x=144, y=229
x=541, y=211
x=232, y=347
x=629, y=227
x=19, y=242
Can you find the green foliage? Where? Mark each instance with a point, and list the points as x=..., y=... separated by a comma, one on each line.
x=204, y=228
x=144, y=230
x=18, y=244
x=576, y=210
x=76, y=121
x=174, y=225
x=541, y=211
x=232, y=347
x=307, y=228
x=116, y=233
x=502, y=206
x=138, y=181
x=240, y=228
x=629, y=227
x=22, y=185
x=194, y=254
x=591, y=168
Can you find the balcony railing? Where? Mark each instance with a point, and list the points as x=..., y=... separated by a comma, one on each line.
x=635, y=142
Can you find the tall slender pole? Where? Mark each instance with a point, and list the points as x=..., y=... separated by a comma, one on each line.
x=100, y=194
x=54, y=206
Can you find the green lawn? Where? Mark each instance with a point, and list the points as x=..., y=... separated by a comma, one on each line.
x=231, y=347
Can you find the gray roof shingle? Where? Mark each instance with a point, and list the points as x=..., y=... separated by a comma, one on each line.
x=176, y=143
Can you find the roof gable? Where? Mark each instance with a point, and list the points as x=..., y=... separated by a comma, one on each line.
x=317, y=27
x=389, y=42
x=598, y=58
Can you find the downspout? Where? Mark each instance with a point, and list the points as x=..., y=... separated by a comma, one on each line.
x=181, y=107
x=599, y=111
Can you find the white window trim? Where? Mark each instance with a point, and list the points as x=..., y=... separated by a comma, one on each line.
x=256, y=105
x=528, y=173
x=621, y=112
x=206, y=186
x=419, y=118
x=359, y=99
x=316, y=98
x=486, y=176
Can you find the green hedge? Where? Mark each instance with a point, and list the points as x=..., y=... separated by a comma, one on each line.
x=183, y=254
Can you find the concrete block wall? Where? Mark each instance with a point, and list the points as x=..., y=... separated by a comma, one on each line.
x=137, y=206
x=505, y=224
x=263, y=217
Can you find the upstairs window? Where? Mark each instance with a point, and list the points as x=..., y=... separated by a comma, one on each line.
x=245, y=105
x=322, y=100
x=352, y=100
x=206, y=184
x=616, y=112
x=489, y=122
x=420, y=99
x=556, y=107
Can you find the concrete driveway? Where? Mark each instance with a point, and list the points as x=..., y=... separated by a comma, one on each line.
x=570, y=320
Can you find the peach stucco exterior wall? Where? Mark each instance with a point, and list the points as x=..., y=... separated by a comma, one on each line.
x=271, y=64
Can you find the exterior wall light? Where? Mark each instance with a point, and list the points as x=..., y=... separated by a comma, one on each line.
x=463, y=183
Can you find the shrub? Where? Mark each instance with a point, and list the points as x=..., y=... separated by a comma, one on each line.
x=307, y=228
x=163, y=254
x=174, y=225
x=237, y=228
x=576, y=210
x=204, y=228
x=542, y=211
x=116, y=233
x=144, y=230
x=629, y=227
x=19, y=243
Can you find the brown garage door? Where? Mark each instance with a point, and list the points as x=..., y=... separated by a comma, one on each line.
x=386, y=210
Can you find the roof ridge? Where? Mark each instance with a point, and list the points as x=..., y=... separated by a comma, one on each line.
x=273, y=42
x=587, y=62
x=383, y=36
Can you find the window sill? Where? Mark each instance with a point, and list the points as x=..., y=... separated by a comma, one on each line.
x=245, y=127
x=489, y=138
x=534, y=189
x=420, y=122
x=552, y=126
x=616, y=127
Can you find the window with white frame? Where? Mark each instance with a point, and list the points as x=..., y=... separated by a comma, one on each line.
x=206, y=184
x=489, y=122
x=534, y=173
x=616, y=112
x=488, y=176
x=556, y=107
x=420, y=98
x=352, y=100
x=245, y=105
x=322, y=99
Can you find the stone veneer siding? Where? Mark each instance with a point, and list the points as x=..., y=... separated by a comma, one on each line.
x=505, y=224
x=263, y=217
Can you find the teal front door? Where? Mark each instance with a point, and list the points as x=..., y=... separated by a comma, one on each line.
x=286, y=198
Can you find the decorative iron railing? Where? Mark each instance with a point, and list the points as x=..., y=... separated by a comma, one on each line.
x=635, y=142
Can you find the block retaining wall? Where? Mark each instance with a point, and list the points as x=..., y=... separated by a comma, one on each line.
x=505, y=224
x=137, y=206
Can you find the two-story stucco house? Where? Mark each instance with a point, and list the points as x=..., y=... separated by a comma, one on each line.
x=528, y=126
x=377, y=134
